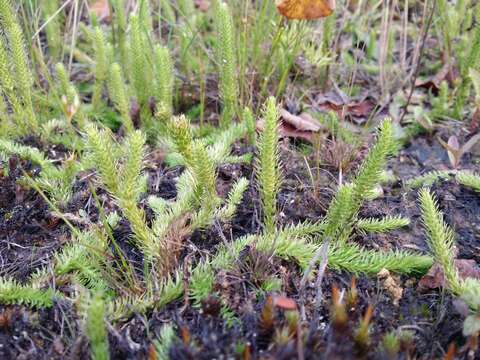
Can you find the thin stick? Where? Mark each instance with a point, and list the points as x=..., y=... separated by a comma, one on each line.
x=419, y=60
x=318, y=284
x=321, y=252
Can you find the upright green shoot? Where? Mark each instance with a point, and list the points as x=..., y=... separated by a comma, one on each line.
x=165, y=80
x=18, y=57
x=440, y=239
x=227, y=63
x=52, y=21
x=120, y=23
x=349, y=198
x=268, y=166
x=95, y=328
x=118, y=94
x=101, y=66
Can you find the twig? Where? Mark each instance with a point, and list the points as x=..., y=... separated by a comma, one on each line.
x=419, y=60
x=322, y=250
x=318, y=284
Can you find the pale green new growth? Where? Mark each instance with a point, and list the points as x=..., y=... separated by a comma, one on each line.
x=95, y=328
x=81, y=258
x=70, y=101
x=121, y=177
x=440, y=239
x=371, y=170
x=138, y=62
x=339, y=212
x=165, y=340
x=429, y=178
x=11, y=292
x=227, y=62
x=186, y=7
x=57, y=181
x=118, y=94
x=382, y=225
x=120, y=22
x=466, y=63
x=165, y=80
x=250, y=125
x=349, y=198
x=469, y=179
x=65, y=87
x=268, y=165
x=204, y=192
x=101, y=66
x=167, y=11
x=103, y=150
x=18, y=57
x=145, y=17
x=9, y=148
x=52, y=27
x=234, y=198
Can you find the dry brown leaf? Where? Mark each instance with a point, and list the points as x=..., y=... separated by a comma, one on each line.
x=303, y=122
x=455, y=151
x=305, y=9
x=286, y=130
x=435, y=278
x=101, y=9
x=202, y=5
x=446, y=73
x=284, y=303
x=302, y=126
x=340, y=103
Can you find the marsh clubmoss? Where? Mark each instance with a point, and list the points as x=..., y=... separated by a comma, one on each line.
x=268, y=168
x=227, y=62
x=95, y=327
x=112, y=123
x=441, y=241
x=17, y=79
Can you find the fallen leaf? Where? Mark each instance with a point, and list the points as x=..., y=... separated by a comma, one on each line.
x=435, y=278
x=102, y=10
x=202, y=5
x=455, y=151
x=446, y=73
x=305, y=9
x=286, y=130
x=303, y=122
x=302, y=126
x=475, y=121
x=360, y=110
x=284, y=303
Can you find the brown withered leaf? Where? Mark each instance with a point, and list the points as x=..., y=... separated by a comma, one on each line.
x=102, y=10
x=284, y=303
x=202, y=5
x=359, y=109
x=455, y=151
x=447, y=73
x=474, y=122
x=302, y=126
x=305, y=9
x=435, y=278
x=302, y=122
